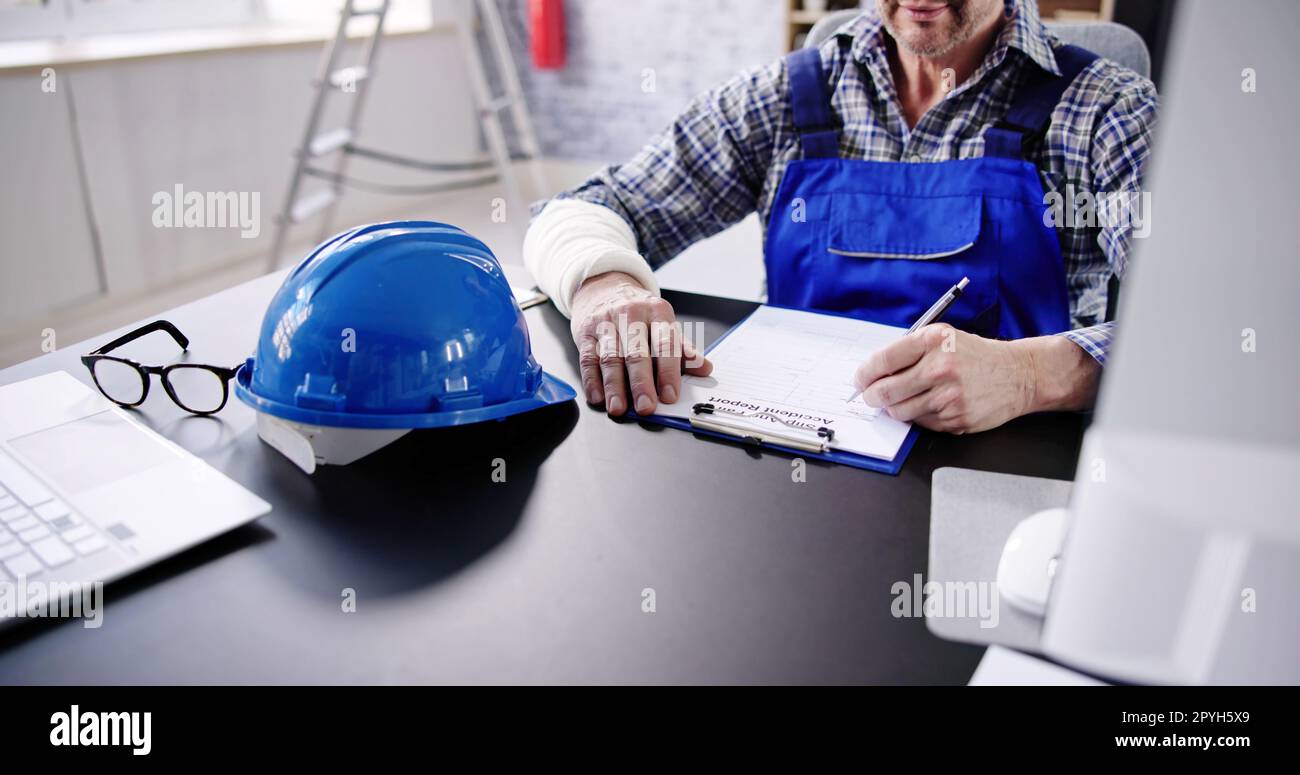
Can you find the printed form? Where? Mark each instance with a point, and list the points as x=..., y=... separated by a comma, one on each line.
x=798, y=366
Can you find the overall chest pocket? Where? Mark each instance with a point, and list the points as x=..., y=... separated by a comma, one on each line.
x=903, y=227
x=898, y=254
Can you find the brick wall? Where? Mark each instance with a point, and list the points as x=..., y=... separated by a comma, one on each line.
x=631, y=65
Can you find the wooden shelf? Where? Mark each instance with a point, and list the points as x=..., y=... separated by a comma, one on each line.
x=799, y=19
x=799, y=16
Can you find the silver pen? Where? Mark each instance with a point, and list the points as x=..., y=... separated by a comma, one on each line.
x=932, y=314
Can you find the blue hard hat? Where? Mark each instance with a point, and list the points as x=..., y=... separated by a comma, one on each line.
x=408, y=324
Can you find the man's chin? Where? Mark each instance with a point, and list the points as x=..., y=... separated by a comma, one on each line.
x=926, y=43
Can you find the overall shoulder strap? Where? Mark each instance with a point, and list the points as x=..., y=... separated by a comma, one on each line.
x=1031, y=110
x=818, y=136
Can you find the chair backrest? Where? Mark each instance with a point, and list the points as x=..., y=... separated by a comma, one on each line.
x=1105, y=39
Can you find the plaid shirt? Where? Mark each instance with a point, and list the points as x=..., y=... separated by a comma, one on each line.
x=723, y=157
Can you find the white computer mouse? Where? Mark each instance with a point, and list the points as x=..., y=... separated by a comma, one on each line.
x=1029, y=560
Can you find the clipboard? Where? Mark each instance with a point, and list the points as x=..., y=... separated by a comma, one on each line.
x=771, y=441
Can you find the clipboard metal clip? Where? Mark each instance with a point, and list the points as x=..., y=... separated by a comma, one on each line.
x=705, y=417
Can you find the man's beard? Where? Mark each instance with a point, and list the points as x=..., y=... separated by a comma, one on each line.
x=935, y=41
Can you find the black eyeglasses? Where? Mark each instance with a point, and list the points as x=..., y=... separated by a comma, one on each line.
x=195, y=387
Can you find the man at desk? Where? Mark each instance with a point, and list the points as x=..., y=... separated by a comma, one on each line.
x=910, y=149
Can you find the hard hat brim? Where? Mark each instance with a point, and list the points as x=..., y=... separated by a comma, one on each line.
x=552, y=390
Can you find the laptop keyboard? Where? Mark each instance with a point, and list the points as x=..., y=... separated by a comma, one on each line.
x=38, y=532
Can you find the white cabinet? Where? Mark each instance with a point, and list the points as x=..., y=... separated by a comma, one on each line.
x=216, y=121
x=47, y=257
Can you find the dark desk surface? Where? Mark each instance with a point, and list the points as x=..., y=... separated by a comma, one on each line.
x=459, y=579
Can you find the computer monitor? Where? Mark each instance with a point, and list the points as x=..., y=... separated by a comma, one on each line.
x=1182, y=559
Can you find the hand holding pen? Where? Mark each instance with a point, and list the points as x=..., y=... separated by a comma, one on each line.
x=932, y=314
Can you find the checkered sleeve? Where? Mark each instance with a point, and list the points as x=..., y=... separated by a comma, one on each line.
x=1095, y=340
x=702, y=173
x=1121, y=145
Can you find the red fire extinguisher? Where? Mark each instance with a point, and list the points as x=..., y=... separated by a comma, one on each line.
x=546, y=17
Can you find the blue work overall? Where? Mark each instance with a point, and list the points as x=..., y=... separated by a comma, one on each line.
x=883, y=241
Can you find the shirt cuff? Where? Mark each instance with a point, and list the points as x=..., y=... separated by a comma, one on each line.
x=1095, y=340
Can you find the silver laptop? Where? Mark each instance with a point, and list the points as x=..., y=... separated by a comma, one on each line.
x=88, y=494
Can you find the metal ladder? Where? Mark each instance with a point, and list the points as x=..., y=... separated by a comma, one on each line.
x=339, y=144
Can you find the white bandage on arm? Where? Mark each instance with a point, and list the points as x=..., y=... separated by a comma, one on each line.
x=572, y=240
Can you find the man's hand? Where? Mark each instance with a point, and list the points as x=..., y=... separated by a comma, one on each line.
x=629, y=342
x=948, y=380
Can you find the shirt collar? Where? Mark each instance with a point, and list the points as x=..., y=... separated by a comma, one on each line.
x=1023, y=31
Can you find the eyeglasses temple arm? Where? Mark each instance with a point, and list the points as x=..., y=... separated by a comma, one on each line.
x=149, y=328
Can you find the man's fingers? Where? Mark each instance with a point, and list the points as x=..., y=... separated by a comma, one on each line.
x=892, y=358
x=934, y=422
x=695, y=362
x=914, y=407
x=640, y=367
x=896, y=388
x=589, y=365
x=635, y=364
x=665, y=336
x=613, y=378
